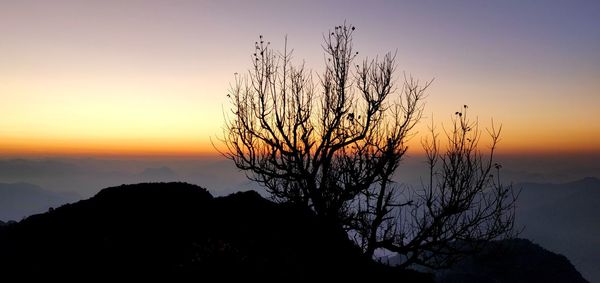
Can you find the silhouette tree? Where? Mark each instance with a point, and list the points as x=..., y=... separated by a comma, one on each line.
x=332, y=143
x=460, y=208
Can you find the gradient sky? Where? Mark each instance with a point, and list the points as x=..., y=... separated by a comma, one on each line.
x=150, y=77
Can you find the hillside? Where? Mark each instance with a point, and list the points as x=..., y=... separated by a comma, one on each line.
x=177, y=229
x=512, y=261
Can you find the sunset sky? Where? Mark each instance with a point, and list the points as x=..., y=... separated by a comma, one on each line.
x=151, y=77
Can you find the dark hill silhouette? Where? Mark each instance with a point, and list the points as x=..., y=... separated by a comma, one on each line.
x=512, y=261
x=180, y=230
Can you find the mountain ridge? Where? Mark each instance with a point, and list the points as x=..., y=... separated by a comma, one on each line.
x=178, y=229
x=512, y=261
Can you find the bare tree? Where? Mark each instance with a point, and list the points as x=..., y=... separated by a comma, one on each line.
x=461, y=206
x=320, y=144
x=332, y=143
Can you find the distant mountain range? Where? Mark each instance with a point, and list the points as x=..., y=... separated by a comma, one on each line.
x=564, y=219
x=158, y=174
x=87, y=175
x=18, y=200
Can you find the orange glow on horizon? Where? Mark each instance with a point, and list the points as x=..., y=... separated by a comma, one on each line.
x=183, y=148
x=123, y=148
